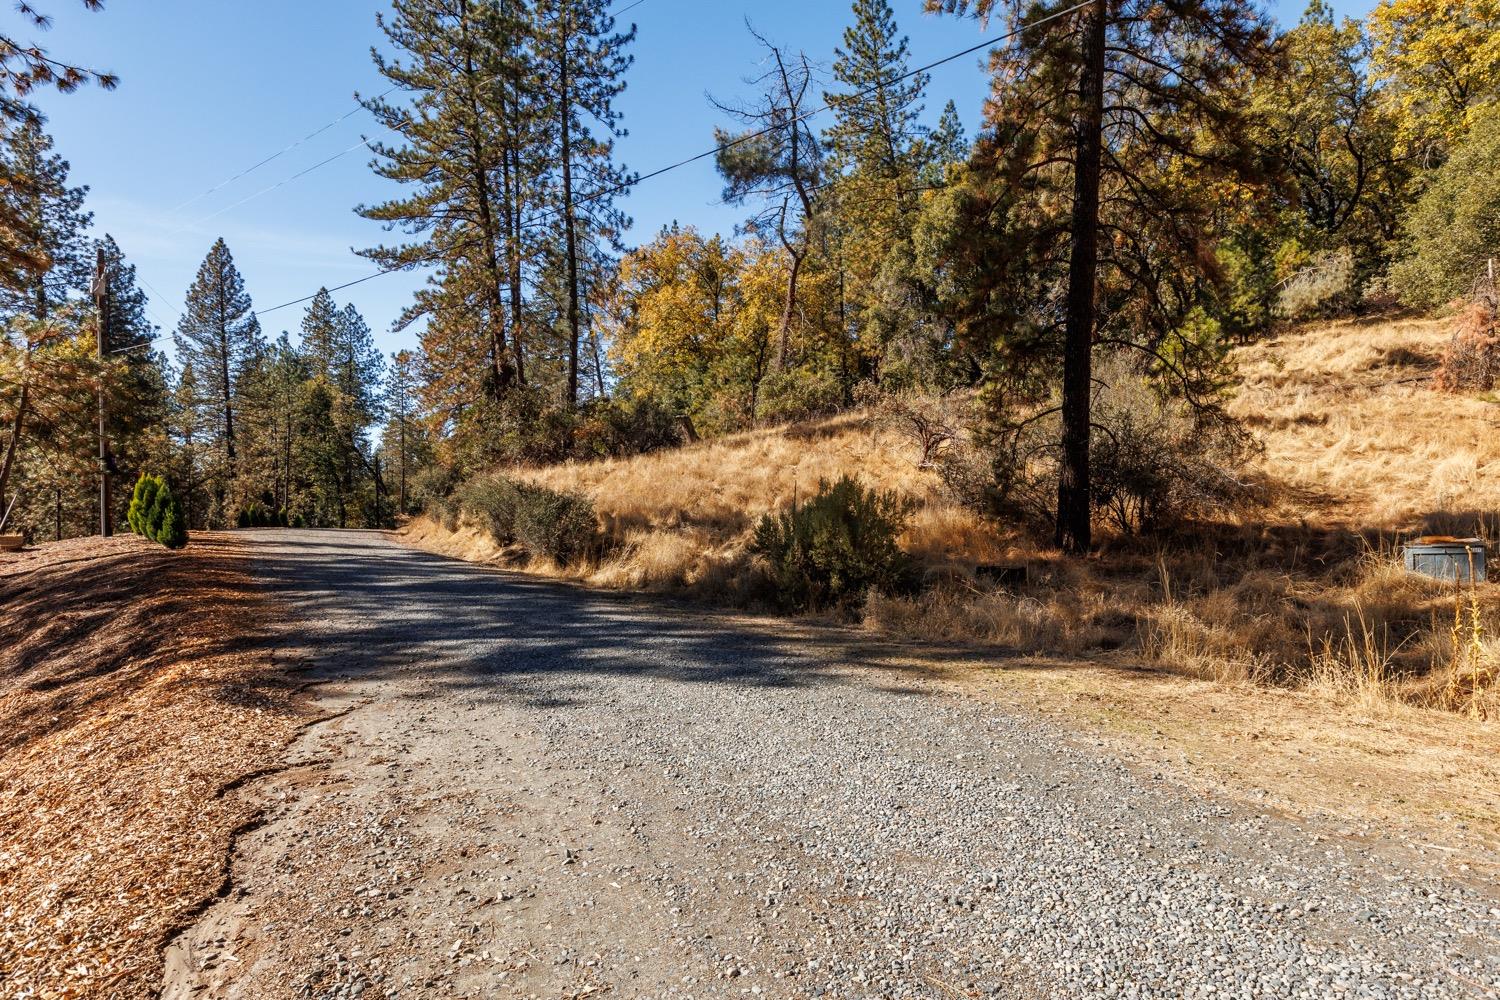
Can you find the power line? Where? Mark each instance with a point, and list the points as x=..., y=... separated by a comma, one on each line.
x=276, y=155
x=739, y=140
x=306, y=138
x=267, y=190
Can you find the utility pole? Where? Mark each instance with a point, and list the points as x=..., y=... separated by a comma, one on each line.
x=101, y=304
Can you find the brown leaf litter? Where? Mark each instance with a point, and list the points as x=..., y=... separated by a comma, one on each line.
x=137, y=688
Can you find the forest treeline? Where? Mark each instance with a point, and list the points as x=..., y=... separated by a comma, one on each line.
x=1150, y=184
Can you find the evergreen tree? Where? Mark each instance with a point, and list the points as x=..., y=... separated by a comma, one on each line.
x=401, y=436
x=577, y=49
x=219, y=336
x=25, y=65
x=460, y=132
x=875, y=136
x=185, y=434
x=138, y=410
x=946, y=145
x=876, y=149
x=1132, y=115
x=50, y=222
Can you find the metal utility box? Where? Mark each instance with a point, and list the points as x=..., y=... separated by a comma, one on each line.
x=1458, y=559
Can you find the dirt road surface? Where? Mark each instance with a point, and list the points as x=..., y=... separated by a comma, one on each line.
x=537, y=791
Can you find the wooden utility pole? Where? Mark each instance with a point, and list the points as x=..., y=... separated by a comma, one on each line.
x=101, y=304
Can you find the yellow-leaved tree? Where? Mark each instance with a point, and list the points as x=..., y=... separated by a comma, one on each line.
x=1442, y=58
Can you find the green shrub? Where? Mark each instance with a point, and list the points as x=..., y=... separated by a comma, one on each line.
x=489, y=501
x=798, y=395
x=156, y=513
x=546, y=522
x=550, y=523
x=140, y=502
x=151, y=519
x=172, y=531
x=836, y=546
x=257, y=515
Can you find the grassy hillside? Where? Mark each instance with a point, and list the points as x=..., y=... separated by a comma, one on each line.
x=1358, y=453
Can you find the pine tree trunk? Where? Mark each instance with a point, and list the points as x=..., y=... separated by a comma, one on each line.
x=491, y=232
x=789, y=307
x=510, y=193
x=598, y=357
x=569, y=222
x=225, y=375
x=401, y=423
x=17, y=426
x=1073, y=513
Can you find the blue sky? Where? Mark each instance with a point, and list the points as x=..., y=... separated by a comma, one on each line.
x=210, y=87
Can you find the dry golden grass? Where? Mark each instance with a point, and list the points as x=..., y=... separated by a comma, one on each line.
x=682, y=520
x=1348, y=414
x=1359, y=452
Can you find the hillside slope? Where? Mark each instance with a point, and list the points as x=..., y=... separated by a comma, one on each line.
x=1354, y=428
x=1358, y=452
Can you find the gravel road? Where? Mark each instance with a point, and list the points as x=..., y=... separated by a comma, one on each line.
x=532, y=790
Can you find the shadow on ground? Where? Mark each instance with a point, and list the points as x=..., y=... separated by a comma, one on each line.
x=370, y=604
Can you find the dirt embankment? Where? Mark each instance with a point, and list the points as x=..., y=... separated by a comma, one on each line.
x=138, y=688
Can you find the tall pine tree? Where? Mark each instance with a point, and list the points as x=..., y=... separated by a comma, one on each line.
x=219, y=336
x=582, y=58
x=1108, y=129
x=456, y=57
x=51, y=223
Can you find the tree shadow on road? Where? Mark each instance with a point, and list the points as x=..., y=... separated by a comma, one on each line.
x=373, y=605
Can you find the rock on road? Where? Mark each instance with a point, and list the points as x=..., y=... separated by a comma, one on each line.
x=533, y=790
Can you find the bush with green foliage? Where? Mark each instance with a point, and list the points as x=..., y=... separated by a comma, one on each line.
x=836, y=546
x=257, y=515
x=171, y=531
x=1154, y=462
x=547, y=523
x=555, y=524
x=619, y=428
x=140, y=502
x=156, y=512
x=798, y=394
x=1454, y=231
x=490, y=502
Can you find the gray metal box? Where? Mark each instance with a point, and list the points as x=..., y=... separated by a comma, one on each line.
x=1461, y=559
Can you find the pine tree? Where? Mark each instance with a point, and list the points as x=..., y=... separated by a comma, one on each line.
x=51, y=222
x=577, y=49
x=401, y=405
x=25, y=65
x=44, y=262
x=1129, y=113
x=876, y=148
x=875, y=134
x=184, y=434
x=219, y=336
x=139, y=399
x=460, y=131
x=946, y=145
